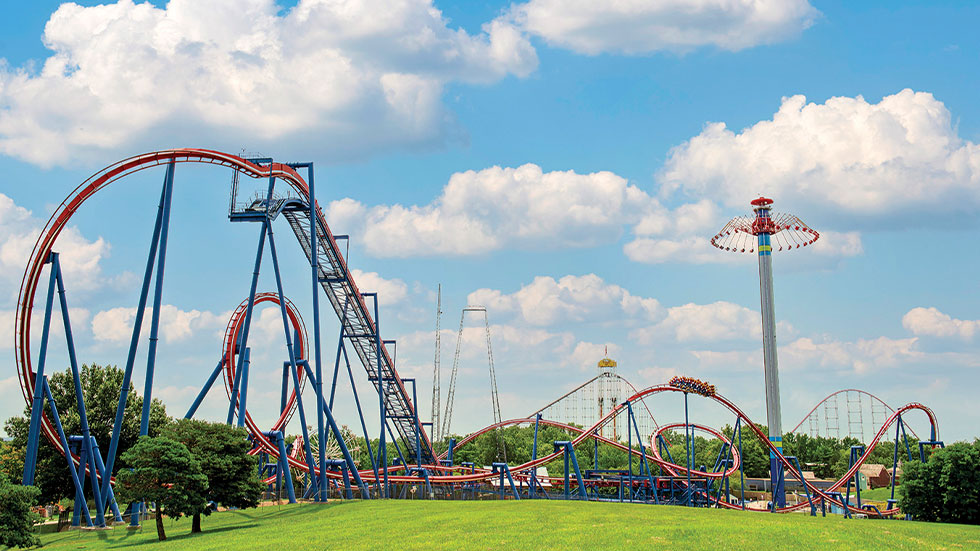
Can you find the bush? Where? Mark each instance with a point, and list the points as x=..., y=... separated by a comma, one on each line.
x=17, y=518
x=946, y=488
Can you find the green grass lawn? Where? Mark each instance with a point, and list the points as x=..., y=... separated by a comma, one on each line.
x=878, y=494
x=520, y=525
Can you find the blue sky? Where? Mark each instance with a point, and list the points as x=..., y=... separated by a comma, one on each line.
x=562, y=164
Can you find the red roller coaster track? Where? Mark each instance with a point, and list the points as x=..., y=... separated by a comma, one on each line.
x=64, y=212
x=587, y=433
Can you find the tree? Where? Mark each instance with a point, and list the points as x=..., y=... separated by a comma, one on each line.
x=166, y=473
x=17, y=518
x=222, y=452
x=946, y=488
x=11, y=460
x=100, y=386
x=755, y=456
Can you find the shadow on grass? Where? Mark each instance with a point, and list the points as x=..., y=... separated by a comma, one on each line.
x=232, y=520
x=176, y=537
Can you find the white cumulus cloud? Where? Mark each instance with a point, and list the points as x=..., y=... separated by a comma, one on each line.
x=586, y=355
x=359, y=76
x=846, y=154
x=643, y=26
x=933, y=323
x=389, y=290
x=703, y=322
x=481, y=211
x=116, y=325
x=80, y=257
x=546, y=300
x=862, y=355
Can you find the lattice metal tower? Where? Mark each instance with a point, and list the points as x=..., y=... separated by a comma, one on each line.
x=436, y=367
x=494, y=396
x=763, y=231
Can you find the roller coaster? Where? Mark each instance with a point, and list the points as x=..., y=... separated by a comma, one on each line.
x=652, y=476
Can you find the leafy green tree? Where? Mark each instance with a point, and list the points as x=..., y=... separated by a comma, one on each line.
x=222, y=451
x=100, y=385
x=946, y=488
x=166, y=473
x=755, y=456
x=17, y=519
x=11, y=460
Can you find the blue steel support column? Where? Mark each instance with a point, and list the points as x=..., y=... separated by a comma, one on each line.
x=381, y=394
x=76, y=514
x=289, y=348
x=134, y=340
x=340, y=350
x=773, y=416
x=243, y=339
x=629, y=444
x=340, y=439
x=398, y=450
x=567, y=481
x=33, y=433
x=689, y=457
x=382, y=447
x=233, y=401
x=157, y=296
x=204, y=391
x=284, y=390
x=79, y=398
x=360, y=415
x=111, y=496
x=534, y=455
x=284, y=464
x=243, y=388
x=898, y=425
x=310, y=460
x=79, y=484
x=741, y=469
x=418, y=426
x=643, y=456
x=318, y=379
x=570, y=450
x=595, y=450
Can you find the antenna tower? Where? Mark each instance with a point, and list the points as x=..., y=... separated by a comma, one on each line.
x=436, y=391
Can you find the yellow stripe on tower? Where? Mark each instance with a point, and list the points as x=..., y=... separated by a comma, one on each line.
x=764, y=248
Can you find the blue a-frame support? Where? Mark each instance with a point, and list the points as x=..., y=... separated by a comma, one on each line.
x=569, y=454
x=644, y=465
x=283, y=463
x=504, y=470
x=30, y=461
x=77, y=481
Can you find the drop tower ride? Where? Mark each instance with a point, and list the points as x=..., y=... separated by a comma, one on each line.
x=761, y=234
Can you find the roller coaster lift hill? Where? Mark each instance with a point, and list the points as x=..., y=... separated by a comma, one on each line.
x=653, y=476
